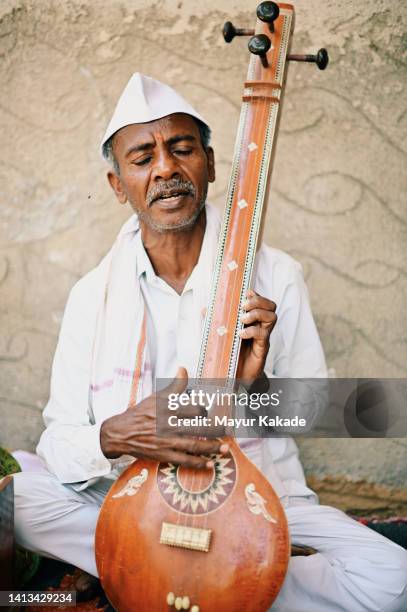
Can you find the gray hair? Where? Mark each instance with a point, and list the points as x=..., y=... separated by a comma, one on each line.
x=107, y=148
x=107, y=152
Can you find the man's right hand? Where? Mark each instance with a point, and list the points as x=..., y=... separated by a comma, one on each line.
x=133, y=432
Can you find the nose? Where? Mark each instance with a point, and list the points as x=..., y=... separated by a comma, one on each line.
x=165, y=166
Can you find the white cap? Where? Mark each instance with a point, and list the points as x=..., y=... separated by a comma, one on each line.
x=145, y=99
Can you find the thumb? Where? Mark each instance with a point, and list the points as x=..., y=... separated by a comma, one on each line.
x=180, y=382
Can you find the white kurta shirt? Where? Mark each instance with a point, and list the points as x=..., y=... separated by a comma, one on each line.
x=70, y=445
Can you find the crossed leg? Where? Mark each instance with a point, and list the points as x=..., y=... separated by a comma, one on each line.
x=355, y=569
x=55, y=521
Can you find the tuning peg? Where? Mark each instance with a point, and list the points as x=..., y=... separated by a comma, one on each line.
x=259, y=45
x=229, y=32
x=321, y=59
x=268, y=12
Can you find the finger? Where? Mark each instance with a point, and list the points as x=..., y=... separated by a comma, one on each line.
x=255, y=332
x=180, y=458
x=188, y=412
x=259, y=315
x=203, y=431
x=203, y=427
x=181, y=405
x=179, y=424
x=257, y=301
x=174, y=430
x=196, y=446
x=180, y=382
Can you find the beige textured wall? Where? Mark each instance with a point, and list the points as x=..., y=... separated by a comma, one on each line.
x=338, y=200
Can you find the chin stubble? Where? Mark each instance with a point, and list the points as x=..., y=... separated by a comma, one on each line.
x=162, y=228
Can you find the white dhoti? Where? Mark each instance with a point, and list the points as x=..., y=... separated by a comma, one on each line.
x=355, y=569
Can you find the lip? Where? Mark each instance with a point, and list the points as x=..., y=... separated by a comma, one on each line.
x=172, y=202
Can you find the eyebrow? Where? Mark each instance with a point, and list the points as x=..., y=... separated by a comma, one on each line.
x=146, y=146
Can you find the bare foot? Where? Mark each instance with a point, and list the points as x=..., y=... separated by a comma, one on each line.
x=87, y=587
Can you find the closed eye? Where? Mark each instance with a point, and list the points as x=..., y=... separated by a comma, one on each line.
x=183, y=151
x=142, y=162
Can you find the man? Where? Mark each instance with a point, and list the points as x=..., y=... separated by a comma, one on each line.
x=138, y=317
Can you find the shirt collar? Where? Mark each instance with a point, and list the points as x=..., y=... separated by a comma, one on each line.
x=144, y=265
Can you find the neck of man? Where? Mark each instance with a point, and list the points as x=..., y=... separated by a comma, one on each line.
x=174, y=254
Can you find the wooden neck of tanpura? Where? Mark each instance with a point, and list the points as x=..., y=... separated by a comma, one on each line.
x=245, y=205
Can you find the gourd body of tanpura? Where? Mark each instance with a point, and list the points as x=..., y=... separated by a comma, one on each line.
x=248, y=553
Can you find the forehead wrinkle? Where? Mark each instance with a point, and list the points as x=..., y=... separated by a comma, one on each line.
x=172, y=128
x=172, y=140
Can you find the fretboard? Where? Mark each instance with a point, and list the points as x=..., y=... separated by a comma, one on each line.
x=245, y=205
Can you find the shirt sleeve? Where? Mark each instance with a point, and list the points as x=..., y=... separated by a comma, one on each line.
x=70, y=444
x=300, y=353
x=295, y=347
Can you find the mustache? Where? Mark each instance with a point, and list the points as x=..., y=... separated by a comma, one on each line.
x=169, y=188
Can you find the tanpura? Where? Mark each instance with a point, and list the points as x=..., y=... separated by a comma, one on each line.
x=171, y=537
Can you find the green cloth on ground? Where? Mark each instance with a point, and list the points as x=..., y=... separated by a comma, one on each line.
x=27, y=563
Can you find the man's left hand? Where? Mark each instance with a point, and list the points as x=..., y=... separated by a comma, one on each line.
x=260, y=318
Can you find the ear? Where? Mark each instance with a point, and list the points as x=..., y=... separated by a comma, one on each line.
x=116, y=185
x=211, y=164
